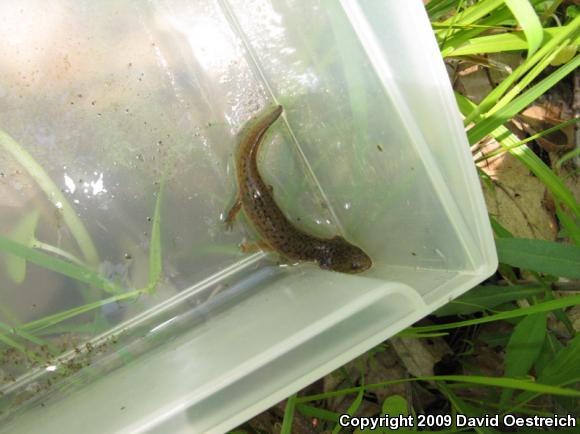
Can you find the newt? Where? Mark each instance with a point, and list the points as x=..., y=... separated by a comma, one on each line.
x=277, y=233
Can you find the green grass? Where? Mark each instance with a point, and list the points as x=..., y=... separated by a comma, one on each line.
x=546, y=306
x=535, y=362
x=22, y=247
x=49, y=262
x=507, y=383
x=53, y=194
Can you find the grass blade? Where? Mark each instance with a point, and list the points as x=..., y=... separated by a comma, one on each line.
x=486, y=126
x=526, y=81
x=437, y=8
x=288, y=415
x=409, y=333
x=530, y=139
x=464, y=408
x=319, y=413
x=498, y=229
x=473, y=13
x=538, y=168
x=22, y=333
x=568, y=31
x=54, y=195
x=491, y=13
x=513, y=41
x=54, y=264
x=47, y=321
x=24, y=234
x=155, y=259
x=541, y=256
x=571, y=228
x=529, y=22
x=352, y=409
x=508, y=140
x=485, y=297
x=460, y=38
x=509, y=383
x=563, y=369
x=545, y=306
x=552, y=346
x=523, y=348
x=19, y=347
x=567, y=156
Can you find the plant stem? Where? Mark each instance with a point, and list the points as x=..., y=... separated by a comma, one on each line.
x=58, y=251
x=54, y=195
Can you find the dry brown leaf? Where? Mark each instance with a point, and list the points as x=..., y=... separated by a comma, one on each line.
x=486, y=361
x=347, y=376
x=510, y=62
x=385, y=366
x=472, y=81
x=540, y=117
x=420, y=355
x=517, y=201
x=379, y=366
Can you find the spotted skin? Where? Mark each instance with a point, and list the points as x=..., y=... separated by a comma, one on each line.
x=256, y=199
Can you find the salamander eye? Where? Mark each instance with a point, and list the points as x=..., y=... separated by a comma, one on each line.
x=355, y=266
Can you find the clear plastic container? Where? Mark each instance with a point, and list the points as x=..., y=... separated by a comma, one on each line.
x=107, y=104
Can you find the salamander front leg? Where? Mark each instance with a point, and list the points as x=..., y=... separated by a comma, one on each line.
x=255, y=246
x=232, y=213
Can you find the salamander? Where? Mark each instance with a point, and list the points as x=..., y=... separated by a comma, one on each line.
x=277, y=233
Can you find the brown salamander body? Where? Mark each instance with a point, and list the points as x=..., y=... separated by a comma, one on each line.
x=278, y=234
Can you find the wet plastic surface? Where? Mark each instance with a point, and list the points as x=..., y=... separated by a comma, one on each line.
x=115, y=102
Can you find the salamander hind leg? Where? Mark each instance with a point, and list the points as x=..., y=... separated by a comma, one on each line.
x=232, y=213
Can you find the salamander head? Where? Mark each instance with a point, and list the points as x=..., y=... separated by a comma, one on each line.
x=339, y=255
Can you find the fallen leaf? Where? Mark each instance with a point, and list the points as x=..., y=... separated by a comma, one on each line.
x=540, y=117
x=517, y=201
x=420, y=355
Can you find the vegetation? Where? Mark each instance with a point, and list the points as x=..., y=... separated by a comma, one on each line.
x=522, y=324
x=524, y=320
